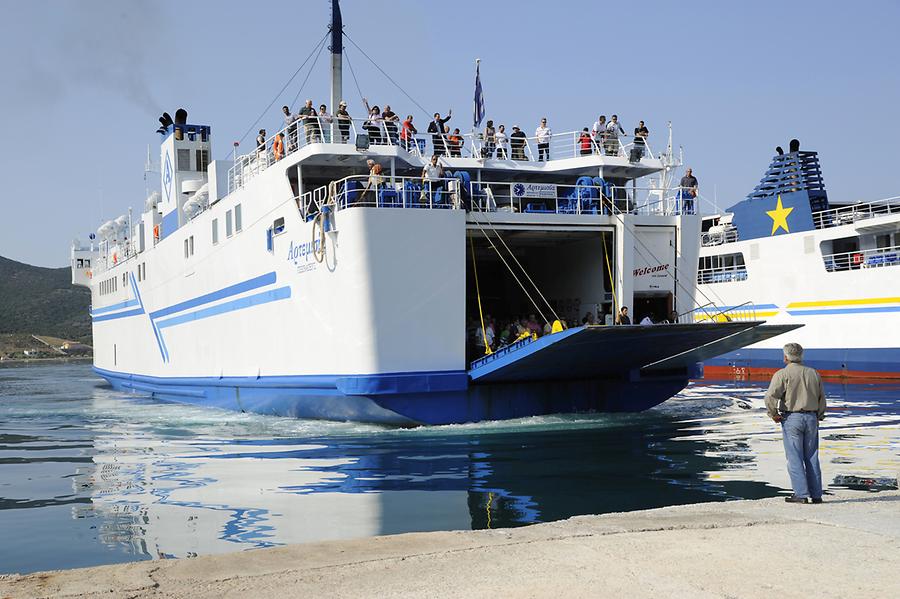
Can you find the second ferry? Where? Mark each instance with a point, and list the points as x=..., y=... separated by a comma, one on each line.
x=332, y=273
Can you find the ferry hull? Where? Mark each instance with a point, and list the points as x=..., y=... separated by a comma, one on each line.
x=323, y=397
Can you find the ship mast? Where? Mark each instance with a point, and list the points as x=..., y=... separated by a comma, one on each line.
x=337, y=33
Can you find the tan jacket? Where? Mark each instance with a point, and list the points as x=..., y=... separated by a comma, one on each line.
x=794, y=388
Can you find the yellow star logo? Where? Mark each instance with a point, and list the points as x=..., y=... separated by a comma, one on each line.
x=779, y=217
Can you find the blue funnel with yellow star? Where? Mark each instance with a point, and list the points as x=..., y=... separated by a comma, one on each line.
x=785, y=199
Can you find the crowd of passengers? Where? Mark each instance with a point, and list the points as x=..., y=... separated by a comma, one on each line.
x=385, y=127
x=500, y=333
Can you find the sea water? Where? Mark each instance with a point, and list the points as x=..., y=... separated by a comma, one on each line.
x=89, y=475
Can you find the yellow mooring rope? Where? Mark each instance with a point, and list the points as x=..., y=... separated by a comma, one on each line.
x=612, y=281
x=487, y=348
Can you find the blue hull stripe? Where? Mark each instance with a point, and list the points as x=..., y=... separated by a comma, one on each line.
x=238, y=304
x=867, y=360
x=437, y=397
x=871, y=310
x=127, y=313
x=254, y=283
x=114, y=307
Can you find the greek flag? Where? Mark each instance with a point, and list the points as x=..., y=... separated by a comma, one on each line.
x=479, y=96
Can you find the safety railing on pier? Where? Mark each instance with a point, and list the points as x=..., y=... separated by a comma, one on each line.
x=844, y=215
x=870, y=258
x=364, y=133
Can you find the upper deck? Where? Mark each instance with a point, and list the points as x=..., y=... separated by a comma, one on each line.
x=333, y=143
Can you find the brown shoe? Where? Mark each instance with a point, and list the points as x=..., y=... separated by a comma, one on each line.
x=795, y=499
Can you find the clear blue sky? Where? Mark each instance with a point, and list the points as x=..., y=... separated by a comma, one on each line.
x=84, y=82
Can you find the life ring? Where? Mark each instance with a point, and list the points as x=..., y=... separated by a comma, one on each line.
x=115, y=258
x=156, y=232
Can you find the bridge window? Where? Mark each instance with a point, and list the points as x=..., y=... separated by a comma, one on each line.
x=238, y=225
x=202, y=160
x=183, y=159
x=215, y=231
x=228, y=224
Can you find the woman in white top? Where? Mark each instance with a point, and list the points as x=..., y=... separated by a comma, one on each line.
x=502, y=139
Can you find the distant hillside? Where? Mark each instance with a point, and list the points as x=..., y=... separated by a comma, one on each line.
x=42, y=301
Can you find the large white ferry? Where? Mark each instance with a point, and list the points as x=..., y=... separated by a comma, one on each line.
x=798, y=258
x=291, y=281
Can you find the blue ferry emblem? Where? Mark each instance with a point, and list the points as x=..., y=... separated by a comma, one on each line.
x=167, y=177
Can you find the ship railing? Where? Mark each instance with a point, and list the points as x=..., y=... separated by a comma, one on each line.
x=453, y=192
x=845, y=215
x=869, y=258
x=513, y=196
x=712, y=238
x=499, y=352
x=721, y=274
x=315, y=130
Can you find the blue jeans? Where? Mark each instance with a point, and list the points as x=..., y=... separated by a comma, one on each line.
x=801, y=446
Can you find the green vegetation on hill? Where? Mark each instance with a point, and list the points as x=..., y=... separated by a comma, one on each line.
x=43, y=301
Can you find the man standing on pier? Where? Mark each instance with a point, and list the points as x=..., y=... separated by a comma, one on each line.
x=796, y=399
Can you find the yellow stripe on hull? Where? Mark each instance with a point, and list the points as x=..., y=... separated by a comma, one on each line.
x=850, y=302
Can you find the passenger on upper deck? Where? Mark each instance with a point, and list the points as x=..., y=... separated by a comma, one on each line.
x=490, y=140
x=325, y=123
x=310, y=124
x=390, y=123
x=613, y=129
x=261, y=142
x=584, y=142
x=517, y=144
x=374, y=122
x=290, y=121
x=689, y=190
x=622, y=317
x=640, y=140
x=455, y=143
x=343, y=118
x=543, y=135
x=436, y=128
x=599, y=132
x=407, y=132
x=502, y=140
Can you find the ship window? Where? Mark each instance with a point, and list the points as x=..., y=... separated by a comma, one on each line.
x=145, y=271
x=883, y=241
x=185, y=248
x=215, y=231
x=228, y=224
x=202, y=157
x=278, y=226
x=721, y=268
x=238, y=225
x=192, y=245
x=183, y=160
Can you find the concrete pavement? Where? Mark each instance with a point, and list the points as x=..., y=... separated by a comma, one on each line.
x=846, y=547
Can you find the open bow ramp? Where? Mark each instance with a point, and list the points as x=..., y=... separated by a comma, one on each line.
x=592, y=352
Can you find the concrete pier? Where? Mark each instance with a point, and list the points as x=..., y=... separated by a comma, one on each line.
x=846, y=547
